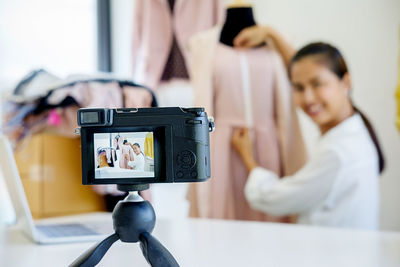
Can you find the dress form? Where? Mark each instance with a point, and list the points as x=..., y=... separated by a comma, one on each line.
x=245, y=80
x=237, y=19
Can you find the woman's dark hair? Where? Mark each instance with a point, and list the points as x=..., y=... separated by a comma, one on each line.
x=333, y=59
x=136, y=144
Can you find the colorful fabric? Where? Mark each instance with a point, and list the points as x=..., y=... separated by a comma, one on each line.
x=56, y=110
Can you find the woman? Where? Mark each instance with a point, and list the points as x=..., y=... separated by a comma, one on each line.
x=138, y=158
x=339, y=185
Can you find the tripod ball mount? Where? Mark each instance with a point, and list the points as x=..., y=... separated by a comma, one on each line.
x=134, y=220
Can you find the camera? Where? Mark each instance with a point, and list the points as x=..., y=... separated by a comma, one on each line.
x=131, y=146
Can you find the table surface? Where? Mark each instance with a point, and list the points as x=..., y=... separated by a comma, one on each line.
x=200, y=242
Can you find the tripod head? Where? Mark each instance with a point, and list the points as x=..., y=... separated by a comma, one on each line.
x=133, y=216
x=134, y=220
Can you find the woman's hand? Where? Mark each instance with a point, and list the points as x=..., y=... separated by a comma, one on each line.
x=257, y=35
x=251, y=36
x=241, y=142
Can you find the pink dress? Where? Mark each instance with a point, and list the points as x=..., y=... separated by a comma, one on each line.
x=244, y=94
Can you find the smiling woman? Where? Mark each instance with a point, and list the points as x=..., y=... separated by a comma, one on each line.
x=339, y=185
x=322, y=87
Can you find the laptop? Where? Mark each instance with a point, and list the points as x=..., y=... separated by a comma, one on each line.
x=40, y=232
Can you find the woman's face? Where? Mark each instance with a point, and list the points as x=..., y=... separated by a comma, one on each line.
x=320, y=93
x=136, y=149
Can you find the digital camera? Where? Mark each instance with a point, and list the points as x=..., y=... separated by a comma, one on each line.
x=131, y=146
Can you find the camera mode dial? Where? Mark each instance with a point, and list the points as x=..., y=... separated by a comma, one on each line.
x=186, y=159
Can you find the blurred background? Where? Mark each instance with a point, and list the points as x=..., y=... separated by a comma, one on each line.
x=90, y=37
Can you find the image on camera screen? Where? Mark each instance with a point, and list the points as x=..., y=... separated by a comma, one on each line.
x=123, y=155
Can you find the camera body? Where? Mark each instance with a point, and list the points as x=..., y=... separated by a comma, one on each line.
x=131, y=146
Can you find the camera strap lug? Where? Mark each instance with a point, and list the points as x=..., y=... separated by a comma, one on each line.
x=211, y=124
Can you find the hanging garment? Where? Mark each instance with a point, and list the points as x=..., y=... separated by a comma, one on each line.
x=154, y=27
x=246, y=88
x=175, y=66
x=149, y=145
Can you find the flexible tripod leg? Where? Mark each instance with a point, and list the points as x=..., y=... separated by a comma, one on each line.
x=155, y=253
x=93, y=255
x=133, y=220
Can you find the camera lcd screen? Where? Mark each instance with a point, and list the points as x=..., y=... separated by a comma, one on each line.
x=123, y=155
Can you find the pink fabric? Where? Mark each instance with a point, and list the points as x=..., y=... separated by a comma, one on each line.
x=54, y=118
x=218, y=83
x=88, y=95
x=153, y=28
x=93, y=94
x=104, y=95
x=96, y=95
x=136, y=97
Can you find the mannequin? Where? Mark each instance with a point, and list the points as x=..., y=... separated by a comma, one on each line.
x=241, y=88
x=237, y=19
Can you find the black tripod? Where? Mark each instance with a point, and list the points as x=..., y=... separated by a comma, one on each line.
x=133, y=220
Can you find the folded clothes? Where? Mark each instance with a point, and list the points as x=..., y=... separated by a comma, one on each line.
x=53, y=109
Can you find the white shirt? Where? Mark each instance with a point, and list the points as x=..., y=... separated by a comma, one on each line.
x=137, y=163
x=338, y=187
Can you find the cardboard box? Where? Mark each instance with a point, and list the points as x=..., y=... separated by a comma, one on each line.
x=50, y=169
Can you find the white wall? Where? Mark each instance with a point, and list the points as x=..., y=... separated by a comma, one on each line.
x=57, y=35
x=121, y=34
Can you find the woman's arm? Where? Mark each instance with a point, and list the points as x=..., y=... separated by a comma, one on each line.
x=242, y=144
x=257, y=35
x=291, y=194
x=138, y=164
x=132, y=158
x=298, y=193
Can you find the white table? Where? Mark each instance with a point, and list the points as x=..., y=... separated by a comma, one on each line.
x=196, y=242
